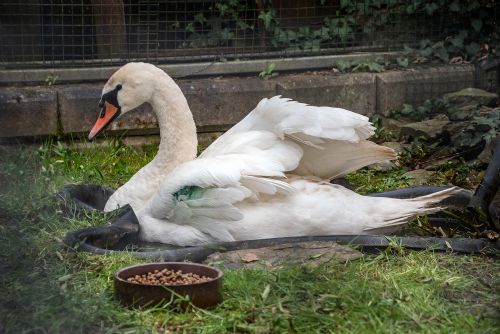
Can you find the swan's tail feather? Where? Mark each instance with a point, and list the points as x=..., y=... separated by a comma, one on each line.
x=378, y=154
x=336, y=159
x=401, y=211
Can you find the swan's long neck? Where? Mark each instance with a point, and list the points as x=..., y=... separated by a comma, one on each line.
x=178, y=140
x=178, y=143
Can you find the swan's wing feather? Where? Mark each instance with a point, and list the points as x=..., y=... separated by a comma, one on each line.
x=285, y=116
x=204, y=191
x=332, y=140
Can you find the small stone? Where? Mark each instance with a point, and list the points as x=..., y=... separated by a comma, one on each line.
x=487, y=153
x=462, y=113
x=430, y=129
x=249, y=257
x=418, y=176
x=396, y=146
x=274, y=257
x=393, y=125
x=471, y=96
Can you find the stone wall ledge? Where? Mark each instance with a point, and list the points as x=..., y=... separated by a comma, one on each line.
x=219, y=102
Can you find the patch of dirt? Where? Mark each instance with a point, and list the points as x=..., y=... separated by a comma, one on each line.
x=312, y=253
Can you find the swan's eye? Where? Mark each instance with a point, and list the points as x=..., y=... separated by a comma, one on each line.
x=112, y=96
x=101, y=103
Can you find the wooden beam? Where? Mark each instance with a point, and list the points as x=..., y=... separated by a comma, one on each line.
x=111, y=33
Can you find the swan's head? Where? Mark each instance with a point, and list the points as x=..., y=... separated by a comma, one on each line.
x=128, y=88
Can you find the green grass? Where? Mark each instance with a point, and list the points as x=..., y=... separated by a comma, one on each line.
x=48, y=289
x=367, y=181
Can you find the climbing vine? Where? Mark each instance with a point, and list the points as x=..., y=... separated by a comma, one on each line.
x=443, y=30
x=218, y=25
x=471, y=31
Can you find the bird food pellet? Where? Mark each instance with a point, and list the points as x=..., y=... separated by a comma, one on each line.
x=168, y=277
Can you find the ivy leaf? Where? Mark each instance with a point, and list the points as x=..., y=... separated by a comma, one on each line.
x=267, y=17
x=463, y=33
x=472, y=49
x=442, y=54
x=190, y=28
x=200, y=18
x=407, y=50
x=424, y=43
x=243, y=25
x=489, y=136
x=440, y=51
x=271, y=67
x=358, y=67
x=367, y=30
x=375, y=67
x=490, y=122
x=407, y=109
x=412, y=8
x=473, y=5
x=477, y=24
x=438, y=45
x=343, y=65
x=455, y=6
x=316, y=45
x=402, y=61
x=457, y=41
x=291, y=35
x=431, y=8
x=425, y=52
x=283, y=37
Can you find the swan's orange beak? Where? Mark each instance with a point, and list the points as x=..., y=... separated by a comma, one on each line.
x=108, y=113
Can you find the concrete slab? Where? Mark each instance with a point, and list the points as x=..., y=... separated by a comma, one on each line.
x=310, y=254
x=417, y=85
x=352, y=91
x=219, y=103
x=216, y=67
x=30, y=111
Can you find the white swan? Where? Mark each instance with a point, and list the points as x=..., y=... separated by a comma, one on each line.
x=128, y=88
x=237, y=188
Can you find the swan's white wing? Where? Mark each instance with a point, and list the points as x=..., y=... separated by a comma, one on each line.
x=201, y=192
x=285, y=116
x=319, y=132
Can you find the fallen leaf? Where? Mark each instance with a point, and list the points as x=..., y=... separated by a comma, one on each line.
x=266, y=291
x=492, y=235
x=420, y=60
x=59, y=256
x=249, y=257
x=315, y=256
x=456, y=60
x=64, y=278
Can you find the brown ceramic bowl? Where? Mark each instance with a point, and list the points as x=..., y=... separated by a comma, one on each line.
x=202, y=295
